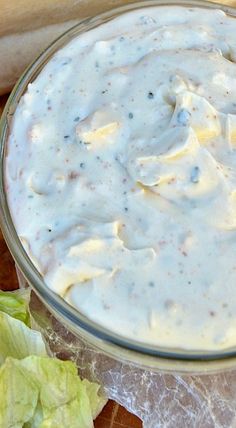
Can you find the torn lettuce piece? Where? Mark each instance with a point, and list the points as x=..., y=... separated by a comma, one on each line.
x=19, y=395
x=96, y=401
x=36, y=419
x=17, y=340
x=43, y=392
x=15, y=304
x=38, y=391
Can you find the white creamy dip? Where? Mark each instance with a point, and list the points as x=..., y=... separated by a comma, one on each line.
x=121, y=176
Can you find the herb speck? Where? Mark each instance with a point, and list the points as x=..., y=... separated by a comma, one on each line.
x=183, y=117
x=195, y=174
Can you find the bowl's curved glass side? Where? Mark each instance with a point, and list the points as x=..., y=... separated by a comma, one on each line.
x=138, y=353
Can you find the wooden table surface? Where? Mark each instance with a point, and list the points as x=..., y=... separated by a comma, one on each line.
x=113, y=415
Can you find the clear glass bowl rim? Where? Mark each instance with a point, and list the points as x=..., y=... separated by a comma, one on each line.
x=141, y=354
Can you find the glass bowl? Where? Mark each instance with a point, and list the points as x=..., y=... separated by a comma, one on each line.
x=47, y=306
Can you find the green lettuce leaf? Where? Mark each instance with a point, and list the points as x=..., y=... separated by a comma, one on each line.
x=17, y=340
x=19, y=395
x=43, y=392
x=96, y=401
x=37, y=391
x=36, y=420
x=15, y=304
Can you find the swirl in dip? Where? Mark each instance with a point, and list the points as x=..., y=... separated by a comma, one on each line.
x=121, y=176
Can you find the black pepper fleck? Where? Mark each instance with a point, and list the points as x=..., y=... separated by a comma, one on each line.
x=150, y=95
x=131, y=115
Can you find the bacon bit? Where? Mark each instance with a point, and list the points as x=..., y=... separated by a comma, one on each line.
x=73, y=175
